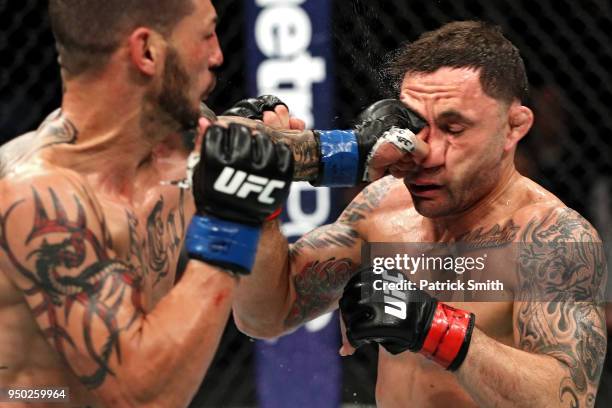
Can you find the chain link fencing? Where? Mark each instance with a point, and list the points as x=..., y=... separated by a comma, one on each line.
x=567, y=49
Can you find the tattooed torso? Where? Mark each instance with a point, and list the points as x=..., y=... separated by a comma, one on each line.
x=383, y=213
x=145, y=232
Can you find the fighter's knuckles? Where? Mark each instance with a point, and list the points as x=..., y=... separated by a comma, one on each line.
x=296, y=124
x=249, y=112
x=282, y=110
x=273, y=120
x=254, y=108
x=270, y=102
x=394, y=113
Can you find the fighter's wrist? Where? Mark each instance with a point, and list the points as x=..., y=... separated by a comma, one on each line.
x=449, y=335
x=339, y=158
x=227, y=244
x=306, y=154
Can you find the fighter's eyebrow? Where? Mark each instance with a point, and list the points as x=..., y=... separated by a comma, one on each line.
x=213, y=21
x=453, y=115
x=210, y=26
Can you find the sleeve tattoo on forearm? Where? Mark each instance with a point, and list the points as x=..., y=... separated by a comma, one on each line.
x=320, y=282
x=305, y=150
x=318, y=285
x=564, y=261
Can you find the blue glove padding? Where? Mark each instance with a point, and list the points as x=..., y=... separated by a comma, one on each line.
x=223, y=243
x=339, y=158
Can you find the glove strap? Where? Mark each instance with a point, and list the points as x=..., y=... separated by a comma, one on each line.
x=221, y=242
x=448, y=339
x=339, y=163
x=275, y=214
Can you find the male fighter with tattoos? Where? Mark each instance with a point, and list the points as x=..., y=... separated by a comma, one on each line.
x=468, y=82
x=95, y=206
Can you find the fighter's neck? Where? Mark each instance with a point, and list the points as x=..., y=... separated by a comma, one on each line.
x=499, y=200
x=115, y=137
x=110, y=124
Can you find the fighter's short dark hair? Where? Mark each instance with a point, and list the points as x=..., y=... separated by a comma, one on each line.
x=88, y=31
x=467, y=44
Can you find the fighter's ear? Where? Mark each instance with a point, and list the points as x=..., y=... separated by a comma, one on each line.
x=145, y=50
x=520, y=119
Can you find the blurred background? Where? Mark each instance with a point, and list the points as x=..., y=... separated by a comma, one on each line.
x=324, y=58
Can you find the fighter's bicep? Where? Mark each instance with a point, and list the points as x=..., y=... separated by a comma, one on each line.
x=56, y=249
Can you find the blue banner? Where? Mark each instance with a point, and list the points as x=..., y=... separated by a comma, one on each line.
x=290, y=55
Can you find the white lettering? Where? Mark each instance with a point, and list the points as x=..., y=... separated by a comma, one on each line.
x=283, y=31
x=228, y=185
x=300, y=221
x=395, y=308
x=237, y=185
x=265, y=197
x=250, y=187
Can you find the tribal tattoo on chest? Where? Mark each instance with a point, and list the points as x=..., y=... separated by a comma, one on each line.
x=163, y=240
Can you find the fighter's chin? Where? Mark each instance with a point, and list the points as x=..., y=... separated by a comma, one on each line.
x=428, y=209
x=431, y=207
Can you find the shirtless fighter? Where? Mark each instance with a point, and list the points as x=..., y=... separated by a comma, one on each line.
x=95, y=204
x=468, y=82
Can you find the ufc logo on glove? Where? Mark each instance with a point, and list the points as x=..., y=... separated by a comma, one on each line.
x=241, y=184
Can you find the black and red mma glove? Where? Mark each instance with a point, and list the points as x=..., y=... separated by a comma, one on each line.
x=402, y=320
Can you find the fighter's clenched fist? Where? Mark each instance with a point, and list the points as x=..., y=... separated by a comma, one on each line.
x=383, y=141
x=242, y=178
x=254, y=108
x=409, y=320
x=267, y=108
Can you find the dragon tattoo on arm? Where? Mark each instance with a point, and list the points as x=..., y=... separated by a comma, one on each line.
x=63, y=260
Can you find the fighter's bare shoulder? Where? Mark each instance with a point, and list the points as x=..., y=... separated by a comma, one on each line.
x=26, y=177
x=32, y=188
x=545, y=217
x=38, y=205
x=25, y=153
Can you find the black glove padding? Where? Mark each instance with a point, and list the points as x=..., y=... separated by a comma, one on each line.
x=242, y=176
x=379, y=118
x=254, y=108
x=373, y=316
